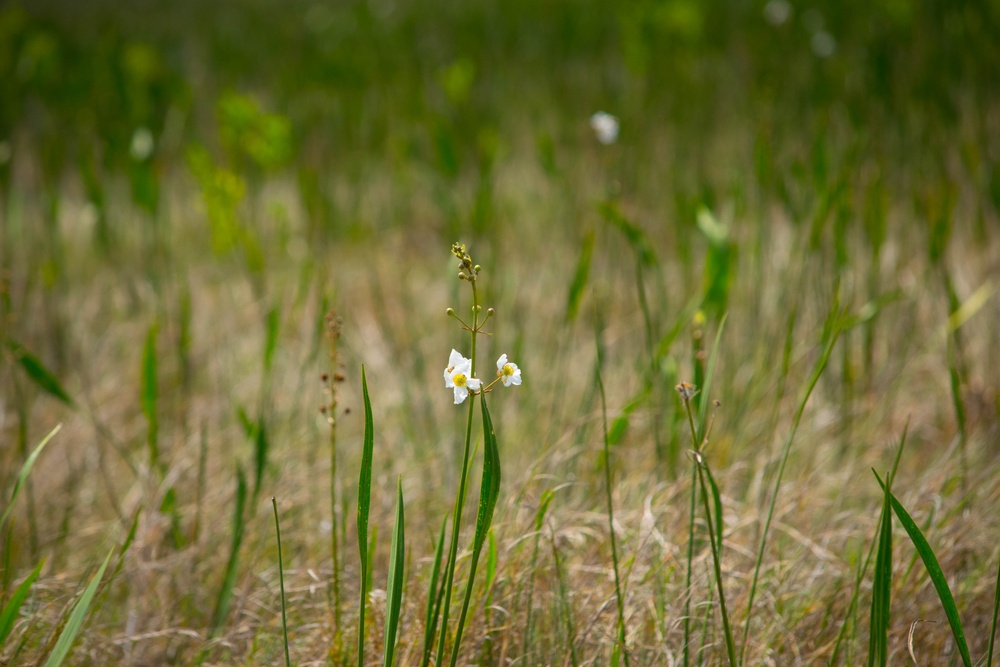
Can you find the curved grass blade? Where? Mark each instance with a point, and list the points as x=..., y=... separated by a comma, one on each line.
x=993, y=627
x=831, y=333
x=229, y=580
x=488, y=493
x=878, y=641
x=394, y=589
x=543, y=507
x=281, y=580
x=580, y=277
x=364, y=509
x=433, y=598
x=849, y=617
x=934, y=572
x=9, y=613
x=25, y=470
x=39, y=374
x=149, y=397
x=76, y=618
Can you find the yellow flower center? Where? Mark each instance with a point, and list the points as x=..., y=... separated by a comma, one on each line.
x=460, y=380
x=508, y=370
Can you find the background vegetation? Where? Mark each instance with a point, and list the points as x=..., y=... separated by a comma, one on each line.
x=186, y=189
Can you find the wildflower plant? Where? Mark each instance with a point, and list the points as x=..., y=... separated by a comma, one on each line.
x=460, y=377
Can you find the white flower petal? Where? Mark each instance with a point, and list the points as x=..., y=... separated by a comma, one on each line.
x=501, y=361
x=461, y=393
x=474, y=384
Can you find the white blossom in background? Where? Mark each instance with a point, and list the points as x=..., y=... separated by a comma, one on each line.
x=458, y=376
x=823, y=44
x=142, y=144
x=777, y=12
x=508, y=371
x=605, y=126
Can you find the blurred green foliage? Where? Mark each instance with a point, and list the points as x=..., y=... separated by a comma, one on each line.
x=321, y=87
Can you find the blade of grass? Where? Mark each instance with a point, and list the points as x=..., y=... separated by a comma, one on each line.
x=611, y=521
x=543, y=507
x=878, y=638
x=13, y=606
x=25, y=470
x=394, y=587
x=993, y=626
x=149, y=397
x=564, y=599
x=433, y=597
x=364, y=509
x=715, y=539
x=229, y=579
x=281, y=582
x=933, y=571
x=580, y=277
x=830, y=335
x=863, y=567
x=38, y=373
x=77, y=617
x=488, y=494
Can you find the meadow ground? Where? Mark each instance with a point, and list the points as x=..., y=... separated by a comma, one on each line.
x=797, y=216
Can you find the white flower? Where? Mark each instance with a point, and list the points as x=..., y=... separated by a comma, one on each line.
x=605, y=126
x=508, y=371
x=142, y=144
x=458, y=376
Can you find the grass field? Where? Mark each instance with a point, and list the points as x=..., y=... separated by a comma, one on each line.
x=226, y=269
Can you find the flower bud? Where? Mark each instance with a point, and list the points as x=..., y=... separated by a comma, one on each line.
x=450, y=312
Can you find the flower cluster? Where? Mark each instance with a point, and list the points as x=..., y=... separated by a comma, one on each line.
x=458, y=376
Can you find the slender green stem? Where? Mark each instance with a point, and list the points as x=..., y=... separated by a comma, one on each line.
x=281, y=579
x=460, y=499
x=611, y=522
x=726, y=627
x=465, y=607
x=817, y=372
x=690, y=550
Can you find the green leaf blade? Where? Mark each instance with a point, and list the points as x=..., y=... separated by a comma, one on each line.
x=935, y=573
x=9, y=613
x=38, y=373
x=394, y=587
x=77, y=617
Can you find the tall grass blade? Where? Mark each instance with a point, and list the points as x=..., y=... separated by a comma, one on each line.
x=272, y=323
x=564, y=600
x=9, y=613
x=878, y=638
x=281, y=582
x=993, y=625
x=394, y=588
x=25, y=471
x=715, y=539
x=934, y=572
x=611, y=520
x=149, y=397
x=580, y=277
x=863, y=566
x=76, y=618
x=543, y=507
x=38, y=373
x=229, y=580
x=706, y=391
x=489, y=491
x=433, y=598
x=364, y=508
x=831, y=333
